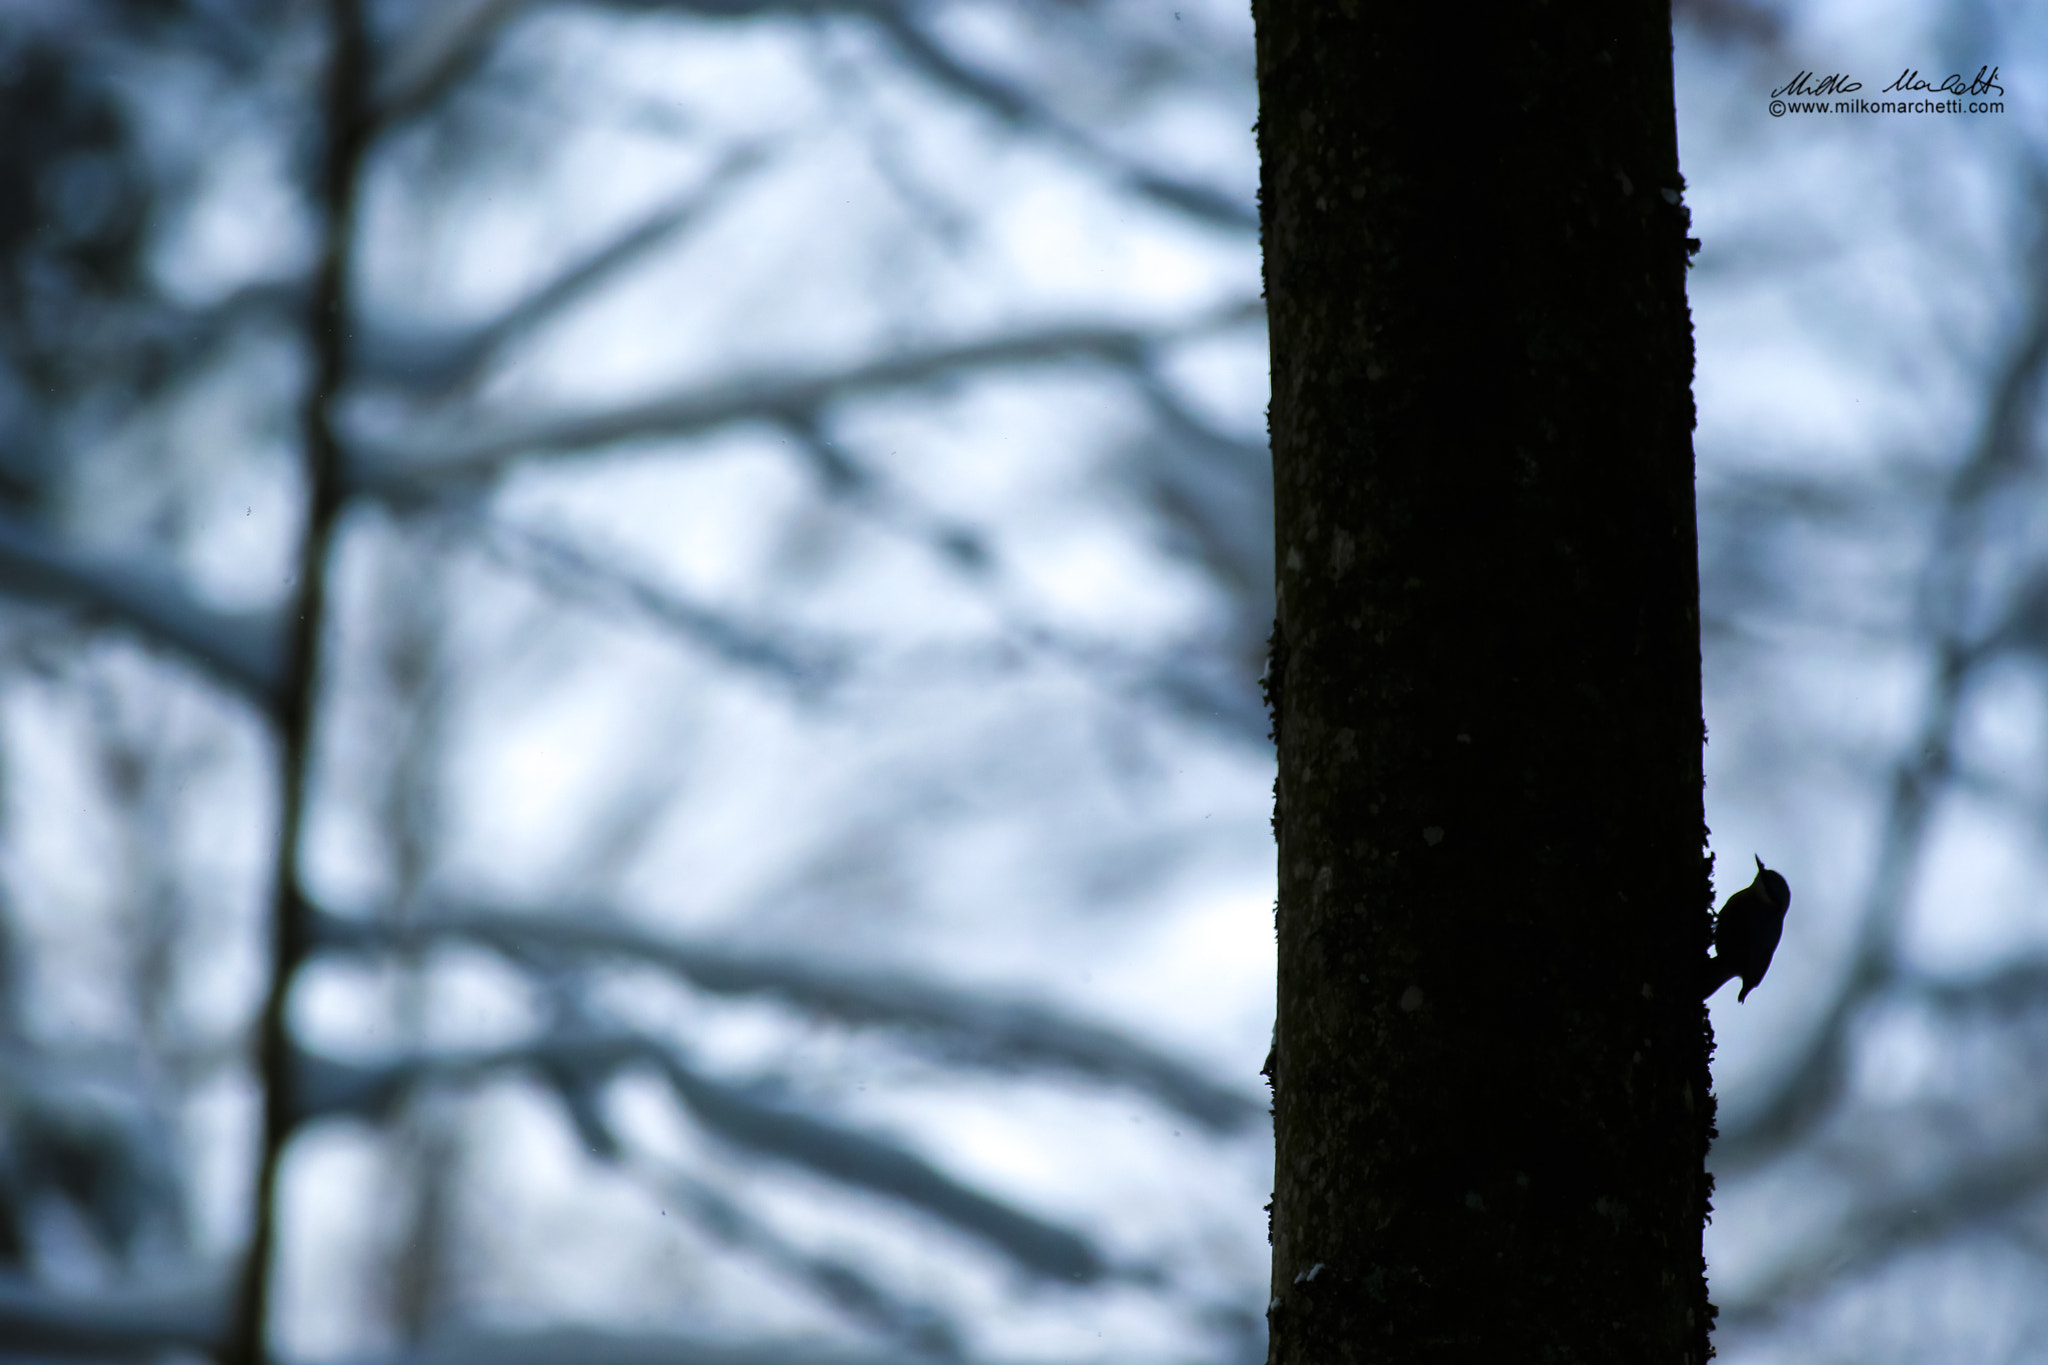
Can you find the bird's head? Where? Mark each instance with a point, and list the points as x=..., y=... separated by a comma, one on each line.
x=1773, y=887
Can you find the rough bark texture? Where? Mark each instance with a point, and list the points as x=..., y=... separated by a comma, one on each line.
x=1490, y=1069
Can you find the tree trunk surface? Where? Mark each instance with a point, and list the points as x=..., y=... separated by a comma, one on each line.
x=1490, y=1068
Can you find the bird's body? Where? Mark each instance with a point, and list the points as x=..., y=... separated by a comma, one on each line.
x=1746, y=932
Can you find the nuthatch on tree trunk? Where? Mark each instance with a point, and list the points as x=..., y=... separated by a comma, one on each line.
x=1746, y=932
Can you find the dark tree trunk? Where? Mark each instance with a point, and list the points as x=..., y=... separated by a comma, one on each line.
x=1490, y=1069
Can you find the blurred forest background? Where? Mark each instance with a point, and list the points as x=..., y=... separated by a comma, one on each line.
x=720, y=553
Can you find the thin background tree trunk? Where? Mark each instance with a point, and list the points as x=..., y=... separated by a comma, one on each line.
x=345, y=132
x=1490, y=1067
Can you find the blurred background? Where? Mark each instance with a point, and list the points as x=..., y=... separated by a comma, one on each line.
x=785, y=831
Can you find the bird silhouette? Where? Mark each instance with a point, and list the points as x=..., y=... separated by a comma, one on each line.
x=1746, y=932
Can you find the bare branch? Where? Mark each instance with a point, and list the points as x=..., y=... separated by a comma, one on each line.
x=432, y=365
x=917, y=1326
x=772, y=1126
x=243, y=650
x=1184, y=680
x=807, y=665
x=440, y=51
x=978, y=1029
x=1019, y=109
x=1015, y=107
x=399, y=474
x=780, y=1130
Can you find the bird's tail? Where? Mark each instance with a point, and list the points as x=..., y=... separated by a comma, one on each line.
x=1720, y=971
